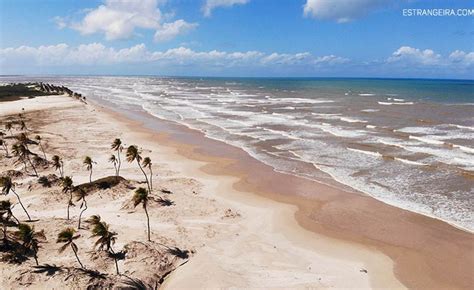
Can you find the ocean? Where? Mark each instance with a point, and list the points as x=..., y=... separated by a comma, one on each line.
x=406, y=142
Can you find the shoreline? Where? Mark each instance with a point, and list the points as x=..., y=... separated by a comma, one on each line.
x=237, y=239
x=410, y=277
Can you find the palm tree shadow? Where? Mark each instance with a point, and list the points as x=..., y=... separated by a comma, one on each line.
x=164, y=202
x=177, y=252
x=135, y=283
x=92, y=274
x=47, y=269
x=119, y=255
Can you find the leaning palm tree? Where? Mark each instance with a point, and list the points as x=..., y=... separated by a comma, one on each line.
x=38, y=139
x=67, y=236
x=18, y=153
x=68, y=187
x=30, y=239
x=8, y=127
x=23, y=126
x=141, y=197
x=117, y=146
x=25, y=153
x=7, y=186
x=113, y=159
x=88, y=163
x=134, y=155
x=6, y=212
x=106, y=240
x=4, y=146
x=81, y=196
x=93, y=219
x=58, y=164
x=147, y=163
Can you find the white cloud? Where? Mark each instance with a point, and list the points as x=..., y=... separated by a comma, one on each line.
x=98, y=54
x=461, y=57
x=412, y=55
x=210, y=5
x=119, y=19
x=171, y=30
x=418, y=59
x=341, y=10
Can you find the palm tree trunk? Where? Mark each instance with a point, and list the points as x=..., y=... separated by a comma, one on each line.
x=17, y=221
x=32, y=165
x=115, y=259
x=82, y=211
x=119, y=162
x=151, y=178
x=77, y=257
x=19, y=201
x=69, y=204
x=116, y=172
x=61, y=171
x=24, y=165
x=35, y=255
x=44, y=154
x=90, y=176
x=147, y=222
x=146, y=177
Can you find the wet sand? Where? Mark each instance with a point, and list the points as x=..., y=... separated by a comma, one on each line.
x=427, y=253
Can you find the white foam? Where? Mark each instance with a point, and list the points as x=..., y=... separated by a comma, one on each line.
x=426, y=140
x=410, y=162
x=462, y=127
x=464, y=148
x=389, y=103
x=370, y=126
x=366, y=95
x=370, y=153
x=352, y=120
x=300, y=100
x=370, y=110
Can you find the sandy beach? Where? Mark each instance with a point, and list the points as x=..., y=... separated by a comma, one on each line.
x=243, y=224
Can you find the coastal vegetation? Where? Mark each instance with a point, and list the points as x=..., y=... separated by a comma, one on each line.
x=21, y=240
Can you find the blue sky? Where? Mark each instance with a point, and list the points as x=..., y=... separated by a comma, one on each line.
x=346, y=38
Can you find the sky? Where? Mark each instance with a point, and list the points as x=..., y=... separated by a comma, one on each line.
x=245, y=38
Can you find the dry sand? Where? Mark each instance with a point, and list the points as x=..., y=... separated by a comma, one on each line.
x=235, y=238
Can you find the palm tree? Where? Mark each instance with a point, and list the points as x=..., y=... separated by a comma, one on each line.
x=88, y=163
x=23, y=125
x=25, y=153
x=8, y=127
x=141, y=196
x=7, y=186
x=147, y=163
x=106, y=239
x=6, y=208
x=132, y=155
x=6, y=215
x=58, y=164
x=4, y=145
x=81, y=196
x=93, y=219
x=113, y=159
x=38, y=138
x=30, y=239
x=68, y=187
x=17, y=152
x=67, y=236
x=117, y=146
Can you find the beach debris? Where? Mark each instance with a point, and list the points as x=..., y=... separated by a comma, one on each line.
x=166, y=191
x=363, y=270
x=229, y=213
